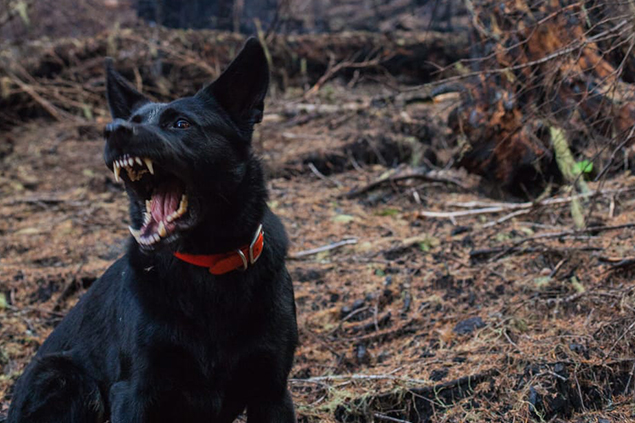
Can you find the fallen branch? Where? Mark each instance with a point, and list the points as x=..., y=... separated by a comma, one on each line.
x=574, y=232
x=507, y=217
x=427, y=177
x=59, y=115
x=489, y=208
x=617, y=263
x=333, y=69
x=486, y=252
x=334, y=378
x=328, y=247
x=323, y=177
x=390, y=419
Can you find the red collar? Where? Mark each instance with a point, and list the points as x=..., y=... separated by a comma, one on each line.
x=219, y=264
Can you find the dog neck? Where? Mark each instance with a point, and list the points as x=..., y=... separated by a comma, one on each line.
x=233, y=223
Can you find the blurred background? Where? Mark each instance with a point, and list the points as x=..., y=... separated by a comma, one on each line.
x=455, y=177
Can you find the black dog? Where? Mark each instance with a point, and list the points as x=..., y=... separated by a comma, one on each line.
x=196, y=323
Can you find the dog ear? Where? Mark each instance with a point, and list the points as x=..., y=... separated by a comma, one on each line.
x=240, y=90
x=122, y=97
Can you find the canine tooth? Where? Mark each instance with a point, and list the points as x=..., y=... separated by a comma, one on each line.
x=149, y=206
x=116, y=169
x=182, y=205
x=162, y=231
x=138, y=160
x=130, y=162
x=135, y=233
x=148, y=163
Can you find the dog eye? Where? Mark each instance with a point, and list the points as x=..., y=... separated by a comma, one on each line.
x=182, y=124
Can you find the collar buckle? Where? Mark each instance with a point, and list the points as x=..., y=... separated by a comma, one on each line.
x=244, y=259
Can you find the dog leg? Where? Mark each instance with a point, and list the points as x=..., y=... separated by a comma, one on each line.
x=125, y=407
x=54, y=389
x=272, y=410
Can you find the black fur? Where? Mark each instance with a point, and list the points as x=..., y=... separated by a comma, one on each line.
x=156, y=339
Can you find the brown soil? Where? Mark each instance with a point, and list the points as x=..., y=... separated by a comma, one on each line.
x=423, y=319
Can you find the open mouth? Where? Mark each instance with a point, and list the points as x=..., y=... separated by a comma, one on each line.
x=162, y=196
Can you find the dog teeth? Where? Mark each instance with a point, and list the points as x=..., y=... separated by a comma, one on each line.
x=146, y=219
x=135, y=233
x=148, y=163
x=128, y=163
x=180, y=211
x=182, y=205
x=149, y=240
x=162, y=231
x=116, y=169
x=149, y=206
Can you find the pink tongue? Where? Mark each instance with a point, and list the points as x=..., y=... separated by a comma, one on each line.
x=165, y=201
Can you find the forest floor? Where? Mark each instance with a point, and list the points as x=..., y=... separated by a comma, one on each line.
x=508, y=315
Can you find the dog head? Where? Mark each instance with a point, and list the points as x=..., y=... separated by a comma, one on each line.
x=180, y=161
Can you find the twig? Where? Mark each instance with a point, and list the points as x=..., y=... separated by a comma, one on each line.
x=333, y=378
x=506, y=217
x=58, y=114
x=428, y=177
x=323, y=177
x=481, y=254
x=619, y=339
x=333, y=69
x=462, y=213
x=630, y=377
x=560, y=234
x=12, y=12
x=328, y=247
x=488, y=208
x=390, y=419
x=616, y=263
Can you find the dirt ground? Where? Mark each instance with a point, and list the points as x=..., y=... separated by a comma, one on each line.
x=505, y=316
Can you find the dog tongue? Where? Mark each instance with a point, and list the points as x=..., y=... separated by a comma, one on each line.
x=165, y=201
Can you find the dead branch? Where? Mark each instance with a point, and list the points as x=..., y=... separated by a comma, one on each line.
x=422, y=176
x=527, y=206
x=574, y=232
x=334, y=69
x=338, y=378
x=328, y=247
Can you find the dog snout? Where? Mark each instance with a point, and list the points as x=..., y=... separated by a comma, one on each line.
x=116, y=127
x=118, y=132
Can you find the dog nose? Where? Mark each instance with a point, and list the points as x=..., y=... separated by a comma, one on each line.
x=118, y=133
x=117, y=127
